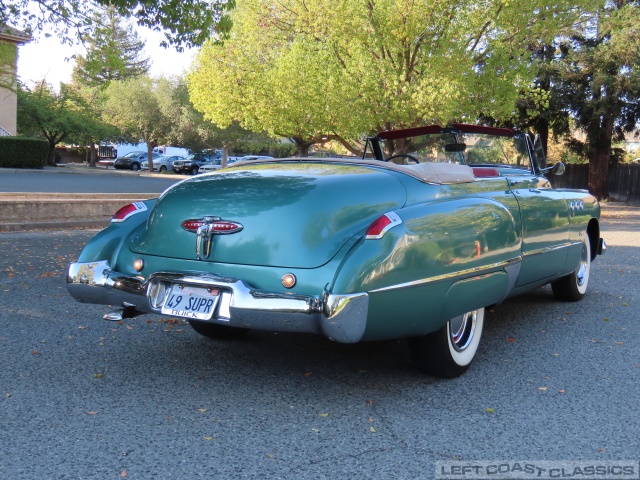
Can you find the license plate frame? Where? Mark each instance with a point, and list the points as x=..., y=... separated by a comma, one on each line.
x=188, y=301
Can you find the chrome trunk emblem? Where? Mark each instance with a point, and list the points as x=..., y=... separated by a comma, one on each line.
x=205, y=228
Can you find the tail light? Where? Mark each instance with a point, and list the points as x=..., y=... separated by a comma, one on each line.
x=381, y=225
x=127, y=211
x=217, y=226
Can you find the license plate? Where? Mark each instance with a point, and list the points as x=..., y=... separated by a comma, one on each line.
x=191, y=302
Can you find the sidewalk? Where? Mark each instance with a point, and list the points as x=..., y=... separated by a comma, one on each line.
x=98, y=170
x=40, y=211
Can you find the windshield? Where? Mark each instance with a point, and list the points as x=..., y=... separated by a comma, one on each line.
x=132, y=154
x=474, y=149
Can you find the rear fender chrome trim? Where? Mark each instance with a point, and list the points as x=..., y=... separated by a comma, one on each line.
x=460, y=274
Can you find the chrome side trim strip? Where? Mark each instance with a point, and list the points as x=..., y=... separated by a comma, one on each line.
x=551, y=249
x=448, y=276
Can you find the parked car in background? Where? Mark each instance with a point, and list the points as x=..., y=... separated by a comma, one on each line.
x=249, y=158
x=161, y=164
x=414, y=240
x=133, y=160
x=193, y=162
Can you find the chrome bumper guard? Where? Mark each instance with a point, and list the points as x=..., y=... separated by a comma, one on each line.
x=342, y=318
x=602, y=247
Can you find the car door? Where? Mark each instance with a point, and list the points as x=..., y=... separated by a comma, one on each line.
x=545, y=227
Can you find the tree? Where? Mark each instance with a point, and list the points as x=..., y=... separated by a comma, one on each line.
x=186, y=23
x=114, y=52
x=55, y=116
x=599, y=82
x=133, y=107
x=336, y=69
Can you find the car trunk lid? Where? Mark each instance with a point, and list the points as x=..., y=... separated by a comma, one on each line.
x=292, y=214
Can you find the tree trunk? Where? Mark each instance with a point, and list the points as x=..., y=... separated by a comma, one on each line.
x=93, y=155
x=302, y=146
x=51, y=156
x=225, y=155
x=599, y=138
x=150, y=155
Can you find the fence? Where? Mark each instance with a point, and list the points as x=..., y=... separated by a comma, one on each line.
x=624, y=180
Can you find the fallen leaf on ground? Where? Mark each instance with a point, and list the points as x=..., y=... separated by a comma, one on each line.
x=490, y=410
x=543, y=389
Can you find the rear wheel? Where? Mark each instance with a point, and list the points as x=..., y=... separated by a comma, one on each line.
x=163, y=169
x=448, y=352
x=194, y=170
x=135, y=167
x=220, y=332
x=573, y=287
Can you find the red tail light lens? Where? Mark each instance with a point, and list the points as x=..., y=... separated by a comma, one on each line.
x=217, y=227
x=127, y=211
x=381, y=225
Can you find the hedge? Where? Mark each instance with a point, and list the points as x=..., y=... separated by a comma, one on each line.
x=23, y=152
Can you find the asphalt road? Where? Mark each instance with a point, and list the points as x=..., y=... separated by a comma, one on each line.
x=84, y=398
x=84, y=180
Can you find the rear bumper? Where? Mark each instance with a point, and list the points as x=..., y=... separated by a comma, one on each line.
x=342, y=318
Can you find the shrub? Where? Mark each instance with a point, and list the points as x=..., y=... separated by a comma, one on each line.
x=23, y=152
x=281, y=150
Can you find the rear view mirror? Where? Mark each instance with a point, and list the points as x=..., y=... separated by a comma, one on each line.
x=455, y=147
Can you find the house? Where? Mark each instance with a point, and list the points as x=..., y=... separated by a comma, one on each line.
x=10, y=39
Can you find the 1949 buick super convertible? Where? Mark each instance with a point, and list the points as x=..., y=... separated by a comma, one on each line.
x=414, y=240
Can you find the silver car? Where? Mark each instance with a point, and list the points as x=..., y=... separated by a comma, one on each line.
x=162, y=164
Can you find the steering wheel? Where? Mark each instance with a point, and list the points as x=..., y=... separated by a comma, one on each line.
x=403, y=155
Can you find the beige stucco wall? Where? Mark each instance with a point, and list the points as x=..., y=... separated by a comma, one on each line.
x=8, y=108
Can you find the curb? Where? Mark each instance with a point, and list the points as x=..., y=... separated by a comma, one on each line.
x=40, y=211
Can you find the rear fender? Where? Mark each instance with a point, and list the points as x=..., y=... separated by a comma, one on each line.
x=107, y=244
x=409, y=272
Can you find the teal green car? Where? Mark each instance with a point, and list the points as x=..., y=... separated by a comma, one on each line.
x=414, y=240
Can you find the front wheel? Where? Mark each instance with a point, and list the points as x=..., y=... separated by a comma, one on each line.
x=163, y=169
x=448, y=352
x=194, y=170
x=573, y=287
x=220, y=332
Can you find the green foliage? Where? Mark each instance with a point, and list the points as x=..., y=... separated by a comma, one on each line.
x=598, y=81
x=7, y=65
x=186, y=23
x=133, y=107
x=114, y=52
x=23, y=152
x=313, y=69
x=56, y=116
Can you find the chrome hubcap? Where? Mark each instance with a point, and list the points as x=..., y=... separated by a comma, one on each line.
x=462, y=329
x=581, y=274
